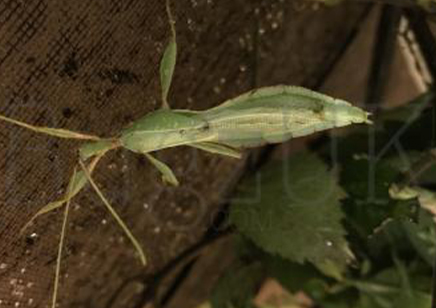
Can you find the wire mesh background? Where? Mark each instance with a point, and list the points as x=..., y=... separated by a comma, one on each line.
x=92, y=66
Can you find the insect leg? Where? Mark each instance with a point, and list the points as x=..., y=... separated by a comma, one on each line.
x=217, y=148
x=114, y=214
x=61, y=245
x=167, y=174
x=77, y=182
x=56, y=132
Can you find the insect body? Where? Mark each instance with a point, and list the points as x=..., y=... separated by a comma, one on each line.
x=266, y=115
x=277, y=114
x=163, y=129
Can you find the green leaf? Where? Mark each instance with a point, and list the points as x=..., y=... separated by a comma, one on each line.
x=388, y=289
x=294, y=212
x=369, y=204
x=296, y=277
x=405, y=237
x=422, y=236
x=368, y=172
x=237, y=287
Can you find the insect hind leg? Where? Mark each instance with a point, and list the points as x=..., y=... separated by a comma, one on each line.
x=114, y=214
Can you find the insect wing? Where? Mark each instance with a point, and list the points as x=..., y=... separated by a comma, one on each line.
x=276, y=114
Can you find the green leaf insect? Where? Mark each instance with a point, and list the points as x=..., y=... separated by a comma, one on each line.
x=266, y=115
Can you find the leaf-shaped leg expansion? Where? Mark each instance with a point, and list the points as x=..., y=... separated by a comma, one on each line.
x=77, y=182
x=114, y=214
x=167, y=174
x=168, y=61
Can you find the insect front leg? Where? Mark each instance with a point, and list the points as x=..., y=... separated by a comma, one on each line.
x=56, y=132
x=77, y=182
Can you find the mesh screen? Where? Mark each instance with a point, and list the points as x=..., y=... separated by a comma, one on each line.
x=92, y=66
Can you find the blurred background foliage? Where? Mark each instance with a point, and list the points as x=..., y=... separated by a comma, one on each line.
x=347, y=220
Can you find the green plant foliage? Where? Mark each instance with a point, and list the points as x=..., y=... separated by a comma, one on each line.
x=422, y=237
x=368, y=204
x=296, y=277
x=370, y=160
x=237, y=287
x=293, y=208
x=295, y=213
x=429, y=5
x=393, y=288
x=406, y=237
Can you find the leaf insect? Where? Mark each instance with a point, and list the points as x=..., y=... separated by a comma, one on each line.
x=265, y=115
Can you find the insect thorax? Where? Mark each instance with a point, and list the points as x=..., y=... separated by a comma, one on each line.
x=163, y=129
